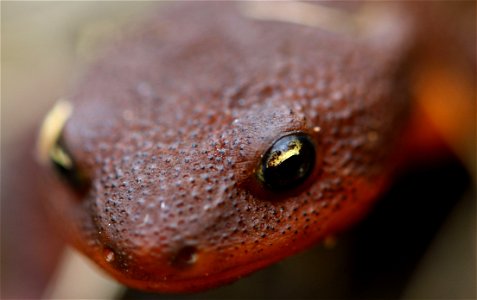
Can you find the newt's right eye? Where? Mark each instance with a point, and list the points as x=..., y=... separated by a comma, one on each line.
x=288, y=162
x=53, y=151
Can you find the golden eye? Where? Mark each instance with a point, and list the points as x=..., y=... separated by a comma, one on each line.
x=288, y=162
x=51, y=148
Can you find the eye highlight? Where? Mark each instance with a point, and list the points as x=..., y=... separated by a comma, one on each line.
x=287, y=163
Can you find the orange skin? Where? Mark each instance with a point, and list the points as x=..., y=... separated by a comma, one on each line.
x=170, y=126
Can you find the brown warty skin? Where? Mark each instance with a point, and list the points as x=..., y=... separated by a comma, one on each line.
x=171, y=124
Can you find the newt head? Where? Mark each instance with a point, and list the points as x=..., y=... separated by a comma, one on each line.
x=207, y=145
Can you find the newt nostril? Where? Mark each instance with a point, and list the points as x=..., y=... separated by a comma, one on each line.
x=185, y=257
x=108, y=255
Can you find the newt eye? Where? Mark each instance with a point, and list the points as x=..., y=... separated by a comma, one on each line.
x=287, y=163
x=64, y=164
x=53, y=151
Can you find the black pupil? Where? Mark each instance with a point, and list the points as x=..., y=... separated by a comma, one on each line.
x=288, y=163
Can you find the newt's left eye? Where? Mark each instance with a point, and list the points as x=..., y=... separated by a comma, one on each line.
x=53, y=151
x=287, y=163
x=64, y=164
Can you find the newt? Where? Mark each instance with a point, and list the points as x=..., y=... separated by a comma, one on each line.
x=213, y=141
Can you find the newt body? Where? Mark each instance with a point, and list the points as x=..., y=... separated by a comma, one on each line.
x=169, y=128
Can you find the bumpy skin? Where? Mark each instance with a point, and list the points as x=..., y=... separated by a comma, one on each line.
x=171, y=123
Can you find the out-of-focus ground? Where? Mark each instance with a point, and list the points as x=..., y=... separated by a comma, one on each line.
x=419, y=242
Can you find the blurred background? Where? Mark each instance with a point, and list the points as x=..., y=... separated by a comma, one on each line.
x=418, y=242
